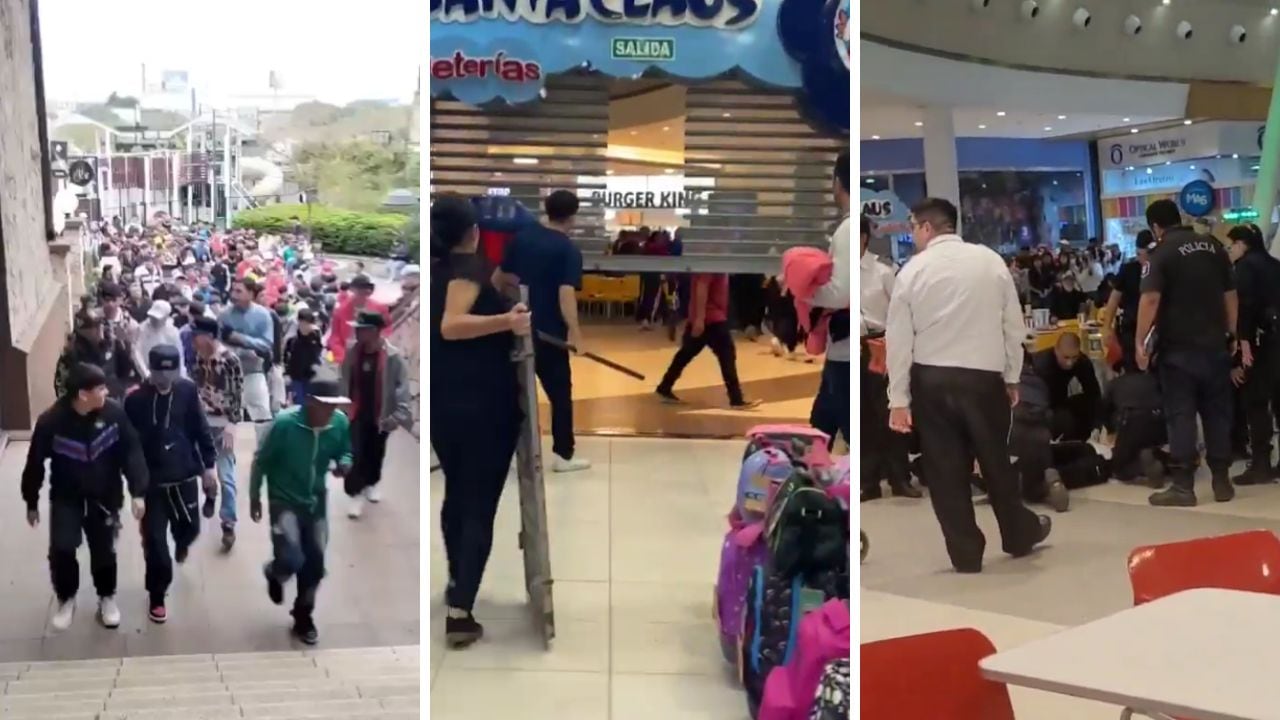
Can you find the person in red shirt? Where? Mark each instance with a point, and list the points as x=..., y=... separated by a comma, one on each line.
x=361, y=298
x=708, y=326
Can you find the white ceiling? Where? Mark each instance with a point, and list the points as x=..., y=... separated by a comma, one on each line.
x=885, y=117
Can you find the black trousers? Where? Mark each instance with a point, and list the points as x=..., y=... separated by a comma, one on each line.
x=884, y=452
x=715, y=336
x=298, y=542
x=1136, y=431
x=368, y=450
x=475, y=456
x=748, y=300
x=69, y=523
x=172, y=509
x=647, y=304
x=1255, y=396
x=831, y=406
x=552, y=366
x=961, y=415
x=1196, y=382
x=1030, y=443
x=1126, y=335
x=1074, y=420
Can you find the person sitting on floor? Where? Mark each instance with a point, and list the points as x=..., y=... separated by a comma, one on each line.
x=1132, y=411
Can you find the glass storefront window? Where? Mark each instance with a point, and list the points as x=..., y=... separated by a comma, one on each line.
x=1010, y=210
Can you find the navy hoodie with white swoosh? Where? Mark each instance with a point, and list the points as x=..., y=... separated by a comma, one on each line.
x=174, y=431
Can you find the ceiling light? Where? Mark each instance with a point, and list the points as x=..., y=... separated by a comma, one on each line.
x=1062, y=117
x=919, y=124
x=982, y=127
x=727, y=115
x=1000, y=114
x=633, y=132
x=875, y=137
x=1274, y=11
x=1133, y=131
x=1164, y=2
x=1186, y=122
x=1047, y=128
x=526, y=161
x=666, y=128
x=1149, y=171
x=608, y=172
x=1168, y=162
x=871, y=181
x=1254, y=167
x=1193, y=167
x=1235, y=156
x=1124, y=119
x=1129, y=168
x=1055, y=182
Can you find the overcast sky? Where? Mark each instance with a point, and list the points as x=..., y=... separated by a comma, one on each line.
x=335, y=51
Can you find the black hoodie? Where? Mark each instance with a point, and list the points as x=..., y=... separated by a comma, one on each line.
x=174, y=431
x=87, y=455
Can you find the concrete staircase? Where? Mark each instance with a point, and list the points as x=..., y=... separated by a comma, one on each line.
x=358, y=684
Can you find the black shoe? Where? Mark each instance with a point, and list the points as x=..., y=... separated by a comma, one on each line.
x=1042, y=534
x=1223, y=490
x=1056, y=494
x=906, y=490
x=872, y=493
x=180, y=553
x=1254, y=476
x=668, y=397
x=746, y=404
x=461, y=632
x=1152, y=469
x=228, y=538
x=1174, y=496
x=208, y=510
x=304, y=628
x=275, y=589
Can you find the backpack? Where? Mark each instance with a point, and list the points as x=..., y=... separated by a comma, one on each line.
x=823, y=636
x=762, y=473
x=744, y=549
x=806, y=528
x=804, y=444
x=775, y=605
x=831, y=702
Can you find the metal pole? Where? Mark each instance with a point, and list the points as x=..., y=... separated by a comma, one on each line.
x=226, y=174
x=213, y=181
x=42, y=120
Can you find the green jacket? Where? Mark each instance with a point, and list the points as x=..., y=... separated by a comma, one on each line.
x=294, y=459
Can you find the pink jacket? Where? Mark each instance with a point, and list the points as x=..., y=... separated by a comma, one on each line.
x=804, y=270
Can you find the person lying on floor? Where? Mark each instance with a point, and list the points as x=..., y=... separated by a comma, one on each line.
x=1072, y=416
x=1133, y=412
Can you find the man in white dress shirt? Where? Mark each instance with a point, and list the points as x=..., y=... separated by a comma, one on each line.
x=954, y=349
x=831, y=407
x=884, y=452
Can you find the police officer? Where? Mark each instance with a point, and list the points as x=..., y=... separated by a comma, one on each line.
x=1122, y=304
x=1189, y=298
x=1258, y=289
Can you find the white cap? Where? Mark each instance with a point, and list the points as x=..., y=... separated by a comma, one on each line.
x=160, y=309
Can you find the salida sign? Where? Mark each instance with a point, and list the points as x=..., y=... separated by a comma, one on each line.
x=499, y=66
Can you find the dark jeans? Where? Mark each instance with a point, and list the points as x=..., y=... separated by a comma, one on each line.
x=962, y=415
x=717, y=337
x=1255, y=395
x=171, y=509
x=368, y=450
x=884, y=452
x=298, y=391
x=1030, y=444
x=831, y=406
x=1195, y=382
x=298, y=542
x=475, y=456
x=647, y=304
x=552, y=366
x=1136, y=431
x=99, y=527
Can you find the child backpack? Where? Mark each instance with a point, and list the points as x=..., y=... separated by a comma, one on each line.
x=803, y=443
x=762, y=473
x=823, y=636
x=831, y=701
x=807, y=529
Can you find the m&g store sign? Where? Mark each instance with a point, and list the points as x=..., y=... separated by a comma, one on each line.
x=727, y=14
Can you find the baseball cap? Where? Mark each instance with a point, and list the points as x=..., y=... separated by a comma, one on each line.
x=85, y=376
x=163, y=357
x=369, y=319
x=160, y=309
x=327, y=392
x=204, y=325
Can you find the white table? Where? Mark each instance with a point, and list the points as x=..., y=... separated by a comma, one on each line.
x=1199, y=655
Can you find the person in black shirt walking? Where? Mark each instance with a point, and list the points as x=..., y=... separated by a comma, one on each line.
x=89, y=444
x=179, y=448
x=1258, y=291
x=1122, y=304
x=1189, y=298
x=303, y=353
x=475, y=405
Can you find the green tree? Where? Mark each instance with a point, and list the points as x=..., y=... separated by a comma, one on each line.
x=355, y=175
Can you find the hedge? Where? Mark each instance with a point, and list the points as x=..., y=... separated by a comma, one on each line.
x=343, y=232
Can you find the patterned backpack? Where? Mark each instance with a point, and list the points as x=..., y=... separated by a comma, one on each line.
x=831, y=702
x=804, y=444
x=762, y=473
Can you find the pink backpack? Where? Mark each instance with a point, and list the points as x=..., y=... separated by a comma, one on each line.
x=744, y=548
x=803, y=443
x=823, y=636
x=762, y=473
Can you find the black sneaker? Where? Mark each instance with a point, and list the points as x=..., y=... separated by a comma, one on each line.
x=873, y=492
x=180, y=553
x=1174, y=496
x=275, y=589
x=461, y=632
x=1223, y=490
x=905, y=489
x=1254, y=476
x=668, y=397
x=746, y=404
x=1152, y=469
x=1056, y=492
x=304, y=628
x=228, y=538
x=1042, y=534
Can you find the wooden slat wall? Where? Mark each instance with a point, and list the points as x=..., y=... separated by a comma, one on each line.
x=567, y=132
x=772, y=172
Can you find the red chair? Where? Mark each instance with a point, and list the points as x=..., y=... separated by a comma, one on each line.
x=1248, y=561
x=933, y=676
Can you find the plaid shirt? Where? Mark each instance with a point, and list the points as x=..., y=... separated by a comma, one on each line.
x=221, y=381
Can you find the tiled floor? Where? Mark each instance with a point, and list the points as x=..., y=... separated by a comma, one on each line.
x=218, y=603
x=355, y=684
x=1080, y=575
x=635, y=544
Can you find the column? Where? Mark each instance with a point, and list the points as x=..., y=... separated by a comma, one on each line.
x=941, y=173
x=1264, y=193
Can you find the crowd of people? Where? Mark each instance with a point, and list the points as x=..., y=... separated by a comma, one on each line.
x=187, y=335
x=1195, y=325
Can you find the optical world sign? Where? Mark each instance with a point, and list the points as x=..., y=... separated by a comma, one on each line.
x=727, y=14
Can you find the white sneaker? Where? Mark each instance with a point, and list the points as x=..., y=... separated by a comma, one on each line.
x=356, y=508
x=108, y=612
x=776, y=345
x=63, y=614
x=373, y=494
x=561, y=465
